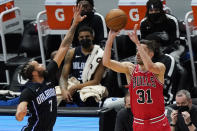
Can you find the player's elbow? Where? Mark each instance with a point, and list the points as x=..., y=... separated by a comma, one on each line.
x=106, y=63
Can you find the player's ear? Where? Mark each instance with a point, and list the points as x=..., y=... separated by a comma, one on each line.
x=151, y=54
x=92, y=37
x=34, y=73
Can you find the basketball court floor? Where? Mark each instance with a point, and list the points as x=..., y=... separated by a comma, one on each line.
x=9, y=123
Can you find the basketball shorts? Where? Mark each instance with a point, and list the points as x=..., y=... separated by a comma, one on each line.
x=160, y=124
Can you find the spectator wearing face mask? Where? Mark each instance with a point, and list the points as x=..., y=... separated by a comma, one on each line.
x=184, y=115
x=162, y=25
x=94, y=20
x=82, y=71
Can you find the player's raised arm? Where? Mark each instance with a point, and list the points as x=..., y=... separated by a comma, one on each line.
x=112, y=64
x=157, y=68
x=65, y=45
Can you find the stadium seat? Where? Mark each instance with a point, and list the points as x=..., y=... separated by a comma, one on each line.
x=27, y=48
x=190, y=24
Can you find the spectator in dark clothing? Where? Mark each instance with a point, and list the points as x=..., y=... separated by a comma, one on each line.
x=184, y=115
x=78, y=60
x=93, y=20
x=171, y=82
x=164, y=26
x=124, y=118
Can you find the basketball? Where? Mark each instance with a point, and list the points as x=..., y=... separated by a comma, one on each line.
x=116, y=19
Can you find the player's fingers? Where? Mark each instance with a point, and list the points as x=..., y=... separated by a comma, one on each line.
x=83, y=17
x=74, y=8
x=135, y=27
x=67, y=99
x=80, y=8
x=129, y=34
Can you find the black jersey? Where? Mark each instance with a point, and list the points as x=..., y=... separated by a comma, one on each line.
x=78, y=63
x=42, y=103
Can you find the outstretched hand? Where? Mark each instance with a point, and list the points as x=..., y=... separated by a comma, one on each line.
x=77, y=14
x=133, y=35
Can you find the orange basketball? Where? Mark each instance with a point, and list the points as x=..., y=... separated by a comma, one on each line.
x=116, y=19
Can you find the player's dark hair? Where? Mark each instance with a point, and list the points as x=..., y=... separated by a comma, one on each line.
x=86, y=28
x=26, y=71
x=153, y=46
x=90, y=1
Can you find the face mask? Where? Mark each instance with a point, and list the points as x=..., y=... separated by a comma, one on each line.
x=86, y=43
x=155, y=18
x=182, y=108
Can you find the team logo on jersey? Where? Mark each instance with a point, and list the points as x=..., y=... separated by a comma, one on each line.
x=77, y=56
x=78, y=65
x=48, y=83
x=37, y=89
x=143, y=81
x=45, y=95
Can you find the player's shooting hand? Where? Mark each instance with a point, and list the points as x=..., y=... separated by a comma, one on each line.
x=174, y=116
x=133, y=35
x=67, y=96
x=77, y=14
x=113, y=34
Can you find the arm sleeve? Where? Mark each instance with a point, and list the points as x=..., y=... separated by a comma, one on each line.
x=52, y=68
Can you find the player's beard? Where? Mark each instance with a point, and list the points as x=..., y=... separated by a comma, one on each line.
x=139, y=61
x=42, y=73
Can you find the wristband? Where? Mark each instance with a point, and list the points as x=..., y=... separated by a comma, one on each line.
x=190, y=123
x=172, y=124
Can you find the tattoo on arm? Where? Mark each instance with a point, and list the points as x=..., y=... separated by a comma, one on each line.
x=69, y=36
x=65, y=71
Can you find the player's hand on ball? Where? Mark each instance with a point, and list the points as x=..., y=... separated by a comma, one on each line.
x=113, y=34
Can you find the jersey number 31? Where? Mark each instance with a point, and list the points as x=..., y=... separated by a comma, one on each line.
x=142, y=96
